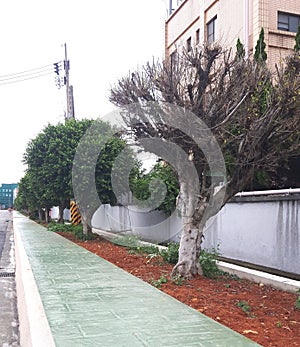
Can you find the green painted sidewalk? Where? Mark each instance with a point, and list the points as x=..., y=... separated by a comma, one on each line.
x=90, y=302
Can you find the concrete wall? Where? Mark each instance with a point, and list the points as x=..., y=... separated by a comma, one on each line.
x=264, y=230
x=54, y=213
x=150, y=226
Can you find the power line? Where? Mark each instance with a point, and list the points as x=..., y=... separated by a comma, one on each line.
x=16, y=77
x=26, y=71
x=25, y=79
x=29, y=74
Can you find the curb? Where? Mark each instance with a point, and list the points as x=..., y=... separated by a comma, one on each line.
x=278, y=282
x=33, y=324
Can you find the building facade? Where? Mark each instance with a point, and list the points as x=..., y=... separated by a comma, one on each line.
x=193, y=22
x=7, y=194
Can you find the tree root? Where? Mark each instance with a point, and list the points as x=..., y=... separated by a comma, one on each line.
x=186, y=270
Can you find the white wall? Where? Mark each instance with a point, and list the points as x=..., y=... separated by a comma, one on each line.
x=265, y=233
x=264, y=230
x=54, y=213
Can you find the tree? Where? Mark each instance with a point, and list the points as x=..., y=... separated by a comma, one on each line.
x=240, y=50
x=297, y=41
x=49, y=159
x=209, y=88
x=260, y=54
x=26, y=200
x=95, y=177
x=140, y=187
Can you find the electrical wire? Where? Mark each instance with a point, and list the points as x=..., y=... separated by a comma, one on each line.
x=27, y=71
x=27, y=74
x=25, y=79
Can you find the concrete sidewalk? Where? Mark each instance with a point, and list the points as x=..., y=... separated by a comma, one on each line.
x=83, y=300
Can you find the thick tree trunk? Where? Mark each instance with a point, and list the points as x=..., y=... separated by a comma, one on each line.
x=86, y=229
x=86, y=223
x=189, y=204
x=189, y=251
x=195, y=210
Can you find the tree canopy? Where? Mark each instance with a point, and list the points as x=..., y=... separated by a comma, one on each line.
x=49, y=158
x=252, y=114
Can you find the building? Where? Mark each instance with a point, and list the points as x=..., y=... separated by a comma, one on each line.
x=7, y=194
x=193, y=22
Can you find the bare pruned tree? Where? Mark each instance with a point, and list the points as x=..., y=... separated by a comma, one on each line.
x=252, y=113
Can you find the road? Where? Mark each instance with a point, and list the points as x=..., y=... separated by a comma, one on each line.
x=9, y=331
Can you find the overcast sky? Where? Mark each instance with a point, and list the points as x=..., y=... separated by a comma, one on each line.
x=105, y=39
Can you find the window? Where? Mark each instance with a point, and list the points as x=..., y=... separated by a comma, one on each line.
x=288, y=22
x=197, y=36
x=211, y=28
x=189, y=44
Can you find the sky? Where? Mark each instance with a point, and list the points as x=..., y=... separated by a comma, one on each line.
x=105, y=40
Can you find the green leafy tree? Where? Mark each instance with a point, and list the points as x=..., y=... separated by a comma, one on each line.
x=49, y=159
x=161, y=171
x=100, y=162
x=26, y=200
x=50, y=156
x=260, y=54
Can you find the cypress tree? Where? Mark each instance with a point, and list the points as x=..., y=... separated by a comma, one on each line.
x=297, y=41
x=240, y=50
x=260, y=54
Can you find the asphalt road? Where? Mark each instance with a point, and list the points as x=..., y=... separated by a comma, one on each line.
x=9, y=331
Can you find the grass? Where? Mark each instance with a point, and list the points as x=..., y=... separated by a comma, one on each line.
x=208, y=258
x=244, y=305
x=158, y=283
x=76, y=230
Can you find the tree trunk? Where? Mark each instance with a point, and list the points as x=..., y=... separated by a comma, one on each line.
x=86, y=229
x=189, y=251
x=47, y=215
x=189, y=204
x=61, y=207
x=41, y=214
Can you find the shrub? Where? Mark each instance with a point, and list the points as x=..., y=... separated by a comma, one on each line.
x=158, y=283
x=128, y=241
x=170, y=255
x=57, y=227
x=208, y=261
x=148, y=249
x=76, y=230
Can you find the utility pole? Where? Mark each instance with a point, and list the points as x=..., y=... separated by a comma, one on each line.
x=69, y=89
